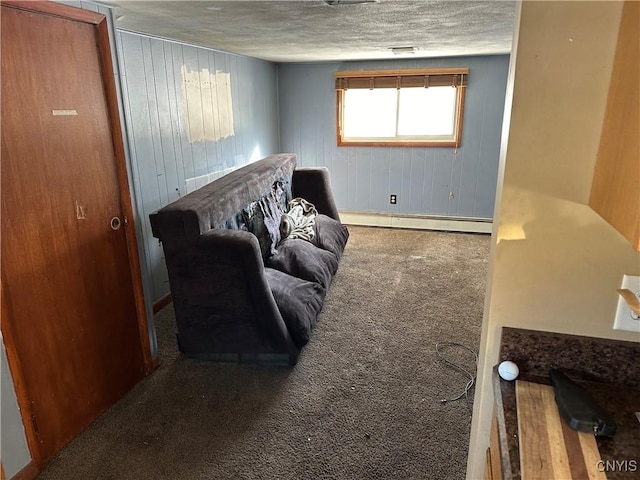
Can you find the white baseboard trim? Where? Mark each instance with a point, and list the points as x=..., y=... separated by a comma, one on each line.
x=420, y=222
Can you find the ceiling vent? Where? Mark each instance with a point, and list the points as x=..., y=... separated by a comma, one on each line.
x=333, y=3
x=403, y=50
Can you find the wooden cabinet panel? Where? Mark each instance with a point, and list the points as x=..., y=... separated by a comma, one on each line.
x=493, y=465
x=615, y=193
x=496, y=463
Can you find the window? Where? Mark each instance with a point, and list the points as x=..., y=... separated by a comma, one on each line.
x=401, y=107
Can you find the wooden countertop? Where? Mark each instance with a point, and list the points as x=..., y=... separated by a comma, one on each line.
x=549, y=448
x=620, y=454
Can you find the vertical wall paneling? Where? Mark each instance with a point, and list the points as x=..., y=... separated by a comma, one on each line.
x=15, y=453
x=427, y=181
x=339, y=173
x=179, y=116
x=379, y=181
x=237, y=112
x=141, y=145
x=486, y=174
x=469, y=155
x=209, y=159
x=394, y=180
x=158, y=93
x=416, y=182
x=404, y=158
x=193, y=114
x=226, y=145
x=363, y=177
x=443, y=163
x=352, y=176
x=118, y=63
x=189, y=76
x=172, y=123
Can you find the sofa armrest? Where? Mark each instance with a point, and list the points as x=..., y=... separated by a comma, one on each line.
x=222, y=300
x=313, y=185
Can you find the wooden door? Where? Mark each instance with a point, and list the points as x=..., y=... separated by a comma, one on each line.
x=73, y=316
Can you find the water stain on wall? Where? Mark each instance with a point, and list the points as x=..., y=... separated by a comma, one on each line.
x=208, y=105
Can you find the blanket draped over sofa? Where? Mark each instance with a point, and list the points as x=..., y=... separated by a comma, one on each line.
x=244, y=288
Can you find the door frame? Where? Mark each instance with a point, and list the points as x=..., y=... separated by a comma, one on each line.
x=108, y=76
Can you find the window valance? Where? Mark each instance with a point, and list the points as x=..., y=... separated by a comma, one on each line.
x=425, y=77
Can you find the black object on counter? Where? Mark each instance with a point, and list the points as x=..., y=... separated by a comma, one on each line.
x=578, y=408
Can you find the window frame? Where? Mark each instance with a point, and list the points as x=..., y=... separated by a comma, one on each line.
x=456, y=77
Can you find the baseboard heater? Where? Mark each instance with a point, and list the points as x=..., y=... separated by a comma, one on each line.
x=420, y=222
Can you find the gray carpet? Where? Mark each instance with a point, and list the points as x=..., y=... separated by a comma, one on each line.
x=362, y=403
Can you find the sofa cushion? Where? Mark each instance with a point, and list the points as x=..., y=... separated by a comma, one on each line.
x=304, y=260
x=299, y=303
x=330, y=235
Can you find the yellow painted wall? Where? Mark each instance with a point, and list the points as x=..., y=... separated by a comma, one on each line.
x=555, y=263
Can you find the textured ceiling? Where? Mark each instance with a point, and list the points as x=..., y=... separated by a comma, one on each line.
x=312, y=31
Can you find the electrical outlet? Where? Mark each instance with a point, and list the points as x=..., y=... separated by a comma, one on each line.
x=625, y=318
x=392, y=199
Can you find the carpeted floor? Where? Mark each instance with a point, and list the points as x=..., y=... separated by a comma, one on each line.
x=362, y=403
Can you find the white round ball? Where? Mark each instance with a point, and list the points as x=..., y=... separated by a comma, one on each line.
x=508, y=370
